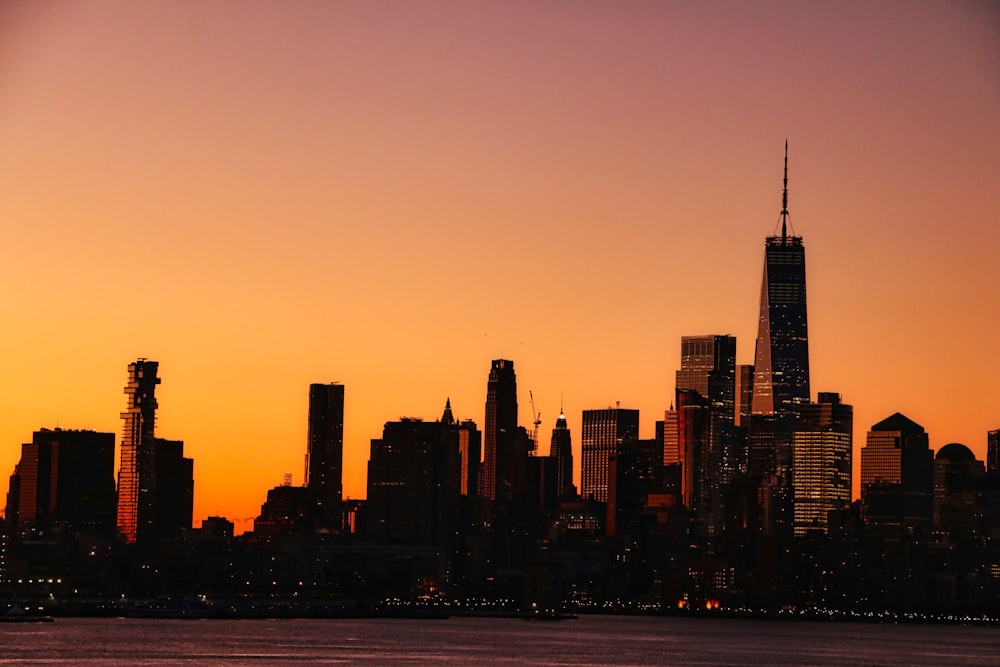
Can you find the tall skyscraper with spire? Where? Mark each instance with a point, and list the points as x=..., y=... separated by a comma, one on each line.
x=561, y=449
x=781, y=360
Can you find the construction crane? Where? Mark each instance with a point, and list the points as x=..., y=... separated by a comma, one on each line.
x=538, y=422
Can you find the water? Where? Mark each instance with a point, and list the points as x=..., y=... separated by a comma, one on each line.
x=589, y=640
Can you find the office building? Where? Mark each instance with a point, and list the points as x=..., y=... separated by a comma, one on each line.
x=781, y=359
x=821, y=461
x=708, y=367
x=896, y=473
x=603, y=431
x=993, y=451
x=325, y=452
x=65, y=480
x=414, y=484
x=561, y=450
x=501, y=423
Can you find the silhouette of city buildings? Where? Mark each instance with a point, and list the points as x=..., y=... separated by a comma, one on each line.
x=741, y=501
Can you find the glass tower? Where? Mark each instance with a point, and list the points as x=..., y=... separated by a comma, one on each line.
x=603, y=432
x=781, y=360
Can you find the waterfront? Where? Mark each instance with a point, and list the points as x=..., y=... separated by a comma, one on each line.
x=589, y=640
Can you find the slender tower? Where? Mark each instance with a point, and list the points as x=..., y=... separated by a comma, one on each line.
x=781, y=364
x=325, y=454
x=501, y=425
x=561, y=449
x=136, y=471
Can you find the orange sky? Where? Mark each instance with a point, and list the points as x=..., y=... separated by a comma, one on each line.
x=261, y=195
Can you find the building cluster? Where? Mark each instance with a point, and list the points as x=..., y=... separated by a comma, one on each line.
x=741, y=500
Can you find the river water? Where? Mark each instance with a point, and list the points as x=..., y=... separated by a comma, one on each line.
x=589, y=640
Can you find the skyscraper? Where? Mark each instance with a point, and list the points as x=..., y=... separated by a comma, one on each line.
x=993, y=451
x=603, y=432
x=65, y=479
x=708, y=366
x=325, y=453
x=155, y=480
x=781, y=359
x=897, y=473
x=135, y=471
x=414, y=484
x=821, y=461
x=501, y=424
x=561, y=449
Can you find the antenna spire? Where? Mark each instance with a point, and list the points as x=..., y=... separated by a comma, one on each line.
x=784, y=200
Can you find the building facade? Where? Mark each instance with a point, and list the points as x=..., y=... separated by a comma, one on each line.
x=896, y=473
x=821, y=461
x=603, y=431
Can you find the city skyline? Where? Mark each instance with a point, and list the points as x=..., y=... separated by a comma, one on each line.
x=571, y=191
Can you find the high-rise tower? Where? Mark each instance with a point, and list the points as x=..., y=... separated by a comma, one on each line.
x=604, y=431
x=137, y=451
x=781, y=367
x=781, y=360
x=561, y=449
x=325, y=454
x=501, y=425
x=821, y=461
x=155, y=480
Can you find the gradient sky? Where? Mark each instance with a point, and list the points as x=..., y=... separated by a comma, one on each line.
x=261, y=195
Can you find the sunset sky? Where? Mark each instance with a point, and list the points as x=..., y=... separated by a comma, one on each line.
x=261, y=195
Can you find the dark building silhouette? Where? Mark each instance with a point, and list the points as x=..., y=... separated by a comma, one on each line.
x=821, y=461
x=958, y=484
x=155, y=480
x=603, y=431
x=634, y=473
x=501, y=423
x=173, y=498
x=699, y=465
x=414, y=484
x=561, y=451
x=743, y=394
x=993, y=451
x=781, y=359
x=709, y=453
x=65, y=479
x=325, y=452
x=135, y=471
x=288, y=510
x=896, y=474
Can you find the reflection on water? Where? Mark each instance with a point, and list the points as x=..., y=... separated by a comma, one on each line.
x=590, y=640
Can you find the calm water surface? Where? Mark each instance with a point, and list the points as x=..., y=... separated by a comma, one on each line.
x=589, y=640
